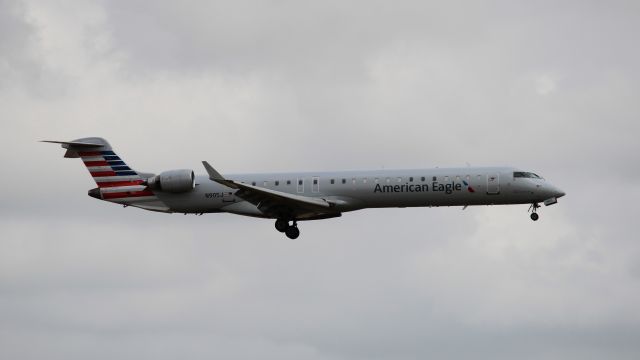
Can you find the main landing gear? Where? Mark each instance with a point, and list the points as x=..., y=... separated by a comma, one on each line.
x=291, y=231
x=534, y=211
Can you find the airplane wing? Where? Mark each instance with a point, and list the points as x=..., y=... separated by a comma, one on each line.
x=273, y=202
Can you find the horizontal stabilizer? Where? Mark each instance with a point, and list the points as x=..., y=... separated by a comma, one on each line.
x=73, y=143
x=75, y=147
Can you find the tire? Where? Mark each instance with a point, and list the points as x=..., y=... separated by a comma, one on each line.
x=292, y=232
x=282, y=225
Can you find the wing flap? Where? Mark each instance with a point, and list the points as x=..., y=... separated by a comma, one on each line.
x=278, y=195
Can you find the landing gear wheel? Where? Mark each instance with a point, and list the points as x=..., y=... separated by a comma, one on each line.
x=292, y=232
x=282, y=225
x=534, y=208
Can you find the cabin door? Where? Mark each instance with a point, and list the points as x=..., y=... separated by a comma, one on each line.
x=493, y=184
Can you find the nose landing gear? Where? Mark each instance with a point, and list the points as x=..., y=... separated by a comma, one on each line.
x=292, y=231
x=534, y=211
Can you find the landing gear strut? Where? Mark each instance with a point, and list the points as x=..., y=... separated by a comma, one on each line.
x=534, y=214
x=291, y=231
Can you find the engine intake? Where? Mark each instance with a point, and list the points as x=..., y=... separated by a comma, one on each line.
x=173, y=181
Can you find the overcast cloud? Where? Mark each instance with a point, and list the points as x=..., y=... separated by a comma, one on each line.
x=294, y=85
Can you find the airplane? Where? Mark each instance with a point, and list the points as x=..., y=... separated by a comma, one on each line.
x=292, y=197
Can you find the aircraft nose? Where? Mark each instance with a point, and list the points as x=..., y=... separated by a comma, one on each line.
x=549, y=191
x=557, y=193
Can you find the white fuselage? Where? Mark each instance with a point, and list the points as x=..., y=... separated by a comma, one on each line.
x=291, y=197
x=353, y=190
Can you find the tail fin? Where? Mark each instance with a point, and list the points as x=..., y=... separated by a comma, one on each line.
x=116, y=181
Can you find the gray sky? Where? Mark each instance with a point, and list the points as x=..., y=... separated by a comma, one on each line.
x=294, y=85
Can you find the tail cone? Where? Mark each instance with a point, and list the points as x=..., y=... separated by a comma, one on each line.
x=95, y=193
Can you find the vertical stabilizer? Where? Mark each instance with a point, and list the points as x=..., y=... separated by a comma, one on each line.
x=116, y=181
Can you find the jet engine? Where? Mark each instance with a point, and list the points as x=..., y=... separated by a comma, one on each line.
x=173, y=181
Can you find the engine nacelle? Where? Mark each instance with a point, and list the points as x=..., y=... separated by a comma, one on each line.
x=173, y=181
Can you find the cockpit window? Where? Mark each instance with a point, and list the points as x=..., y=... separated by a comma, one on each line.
x=522, y=174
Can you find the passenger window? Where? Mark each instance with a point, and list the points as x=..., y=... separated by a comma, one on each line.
x=344, y=181
x=299, y=182
x=333, y=181
x=315, y=181
x=435, y=178
x=422, y=179
x=277, y=182
x=288, y=182
x=253, y=183
x=411, y=179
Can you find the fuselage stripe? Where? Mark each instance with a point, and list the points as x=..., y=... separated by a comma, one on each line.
x=92, y=158
x=119, y=183
x=127, y=194
x=89, y=153
x=120, y=167
x=107, y=179
x=99, y=168
x=103, y=173
x=115, y=189
x=96, y=163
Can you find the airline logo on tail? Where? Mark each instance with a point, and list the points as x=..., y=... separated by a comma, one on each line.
x=114, y=177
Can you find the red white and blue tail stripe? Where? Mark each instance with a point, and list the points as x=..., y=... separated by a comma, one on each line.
x=115, y=179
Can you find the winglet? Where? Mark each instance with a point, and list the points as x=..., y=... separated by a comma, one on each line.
x=215, y=176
